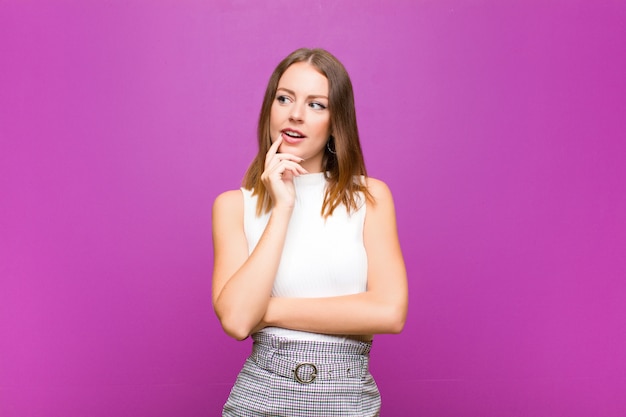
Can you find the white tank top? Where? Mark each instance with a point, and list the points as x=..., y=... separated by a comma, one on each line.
x=321, y=257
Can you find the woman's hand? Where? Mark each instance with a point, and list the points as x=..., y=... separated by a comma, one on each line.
x=280, y=168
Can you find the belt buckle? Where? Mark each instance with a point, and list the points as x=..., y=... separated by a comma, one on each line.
x=311, y=378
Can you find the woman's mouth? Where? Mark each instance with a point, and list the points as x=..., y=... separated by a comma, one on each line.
x=292, y=136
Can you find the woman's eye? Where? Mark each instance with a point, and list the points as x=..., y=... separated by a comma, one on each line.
x=282, y=99
x=317, y=106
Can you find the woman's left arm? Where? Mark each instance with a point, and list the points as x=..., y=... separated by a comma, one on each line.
x=382, y=308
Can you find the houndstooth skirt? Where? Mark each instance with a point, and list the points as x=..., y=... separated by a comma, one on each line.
x=284, y=377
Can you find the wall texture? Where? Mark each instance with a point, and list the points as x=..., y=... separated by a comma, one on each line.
x=499, y=126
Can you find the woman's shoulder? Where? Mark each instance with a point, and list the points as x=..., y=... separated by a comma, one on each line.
x=377, y=188
x=230, y=200
x=381, y=207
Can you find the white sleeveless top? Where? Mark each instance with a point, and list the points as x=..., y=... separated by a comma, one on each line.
x=321, y=257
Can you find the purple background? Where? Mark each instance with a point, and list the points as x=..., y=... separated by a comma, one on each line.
x=499, y=126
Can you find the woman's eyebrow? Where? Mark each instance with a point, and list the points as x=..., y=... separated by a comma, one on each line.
x=288, y=91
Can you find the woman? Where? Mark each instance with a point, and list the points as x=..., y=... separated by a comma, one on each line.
x=306, y=254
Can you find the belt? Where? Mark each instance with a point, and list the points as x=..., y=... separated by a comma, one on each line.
x=306, y=372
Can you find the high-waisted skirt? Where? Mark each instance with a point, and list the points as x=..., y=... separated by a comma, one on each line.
x=284, y=377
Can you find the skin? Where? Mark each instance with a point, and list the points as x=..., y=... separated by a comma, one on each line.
x=242, y=283
x=302, y=105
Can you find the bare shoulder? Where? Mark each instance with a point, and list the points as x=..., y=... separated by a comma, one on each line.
x=229, y=199
x=228, y=202
x=379, y=190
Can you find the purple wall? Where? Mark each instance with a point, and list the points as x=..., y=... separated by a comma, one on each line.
x=499, y=125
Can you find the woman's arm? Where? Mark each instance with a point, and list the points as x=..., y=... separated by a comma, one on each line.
x=382, y=308
x=242, y=284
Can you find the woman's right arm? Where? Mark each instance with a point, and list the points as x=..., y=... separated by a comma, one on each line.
x=242, y=283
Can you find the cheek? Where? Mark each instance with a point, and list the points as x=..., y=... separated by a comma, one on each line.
x=274, y=119
x=274, y=110
x=324, y=127
x=272, y=113
x=278, y=115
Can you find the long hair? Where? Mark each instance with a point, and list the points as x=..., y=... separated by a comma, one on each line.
x=343, y=162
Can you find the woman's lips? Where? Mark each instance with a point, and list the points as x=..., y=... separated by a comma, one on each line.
x=290, y=139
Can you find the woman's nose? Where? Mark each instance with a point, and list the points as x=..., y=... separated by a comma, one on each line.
x=297, y=113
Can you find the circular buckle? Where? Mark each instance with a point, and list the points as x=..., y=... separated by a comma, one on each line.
x=311, y=378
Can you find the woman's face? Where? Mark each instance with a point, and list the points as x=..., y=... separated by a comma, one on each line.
x=300, y=113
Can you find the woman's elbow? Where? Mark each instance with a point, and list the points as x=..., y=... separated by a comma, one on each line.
x=233, y=325
x=398, y=325
x=235, y=330
x=237, y=335
x=396, y=319
x=395, y=326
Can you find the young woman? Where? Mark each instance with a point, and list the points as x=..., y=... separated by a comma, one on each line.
x=306, y=253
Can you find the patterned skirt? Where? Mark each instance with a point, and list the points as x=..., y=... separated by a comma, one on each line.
x=284, y=377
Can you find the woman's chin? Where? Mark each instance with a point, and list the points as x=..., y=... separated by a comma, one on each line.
x=285, y=148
